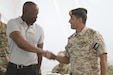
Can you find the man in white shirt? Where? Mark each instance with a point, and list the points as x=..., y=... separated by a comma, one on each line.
x=25, y=39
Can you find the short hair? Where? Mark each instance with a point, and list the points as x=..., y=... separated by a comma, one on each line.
x=79, y=13
x=27, y=5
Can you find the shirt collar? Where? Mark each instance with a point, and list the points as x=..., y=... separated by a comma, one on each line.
x=83, y=31
x=22, y=22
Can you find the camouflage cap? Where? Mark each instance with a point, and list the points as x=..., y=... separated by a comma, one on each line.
x=78, y=11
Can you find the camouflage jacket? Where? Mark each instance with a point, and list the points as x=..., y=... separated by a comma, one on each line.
x=65, y=69
x=83, y=50
x=4, y=51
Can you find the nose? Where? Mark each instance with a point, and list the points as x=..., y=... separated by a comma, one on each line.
x=69, y=21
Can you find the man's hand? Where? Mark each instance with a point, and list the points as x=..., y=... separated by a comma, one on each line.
x=50, y=55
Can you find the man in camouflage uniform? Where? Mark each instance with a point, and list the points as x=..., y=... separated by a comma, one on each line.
x=61, y=67
x=86, y=50
x=3, y=48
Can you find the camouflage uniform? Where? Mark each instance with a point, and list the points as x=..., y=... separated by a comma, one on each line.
x=65, y=69
x=3, y=49
x=84, y=49
x=110, y=69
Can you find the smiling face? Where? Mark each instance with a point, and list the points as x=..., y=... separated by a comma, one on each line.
x=30, y=12
x=74, y=22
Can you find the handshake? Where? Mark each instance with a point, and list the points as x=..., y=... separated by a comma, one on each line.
x=49, y=55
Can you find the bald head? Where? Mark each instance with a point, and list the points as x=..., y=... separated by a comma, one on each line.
x=27, y=6
x=30, y=12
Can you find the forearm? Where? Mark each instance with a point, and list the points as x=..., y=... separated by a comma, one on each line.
x=61, y=59
x=23, y=44
x=39, y=62
x=39, y=59
x=103, y=65
x=104, y=68
x=64, y=59
x=30, y=48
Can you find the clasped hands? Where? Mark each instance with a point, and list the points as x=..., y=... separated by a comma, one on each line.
x=49, y=55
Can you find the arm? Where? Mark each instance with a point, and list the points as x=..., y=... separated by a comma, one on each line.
x=39, y=59
x=23, y=44
x=103, y=64
x=61, y=59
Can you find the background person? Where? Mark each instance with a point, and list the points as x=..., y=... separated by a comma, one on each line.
x=61, y=67
x=4, y=50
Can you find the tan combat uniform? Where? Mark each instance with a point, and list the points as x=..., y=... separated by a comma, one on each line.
x=84, y=50
x=65, y=69
x=3, y=49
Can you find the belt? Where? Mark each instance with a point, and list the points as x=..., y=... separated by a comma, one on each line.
x=21, y=66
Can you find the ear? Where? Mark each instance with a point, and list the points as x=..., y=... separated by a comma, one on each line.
x=80, y=20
